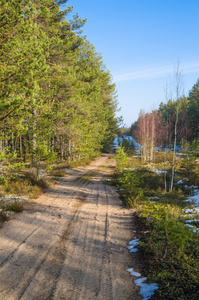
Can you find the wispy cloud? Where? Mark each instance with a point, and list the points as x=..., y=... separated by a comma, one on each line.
x=152, y=73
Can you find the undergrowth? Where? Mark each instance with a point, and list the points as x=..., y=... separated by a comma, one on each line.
x=170, y=249
x=24, y=185
x=14, y=206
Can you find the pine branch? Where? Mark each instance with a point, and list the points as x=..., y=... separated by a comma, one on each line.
x=58, y=3
x=9, y=34
x=2, y=118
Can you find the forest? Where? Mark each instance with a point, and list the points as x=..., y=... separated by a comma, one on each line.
x=57, y=99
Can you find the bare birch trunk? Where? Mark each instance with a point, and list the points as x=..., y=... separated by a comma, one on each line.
x=165, y=175
x=174, y=151
x=178, y=87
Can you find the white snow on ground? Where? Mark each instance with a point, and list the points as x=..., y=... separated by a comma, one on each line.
x=132, y=246
x=140, y=281
x=189, y=212
x=130, y=139
x=134, y=242
x=195, y=229
x=132, y=249
x=133, y=273
x=191, y=221
x=146, y=290
x=160, y=172
x=180, y=182
x=195, y=198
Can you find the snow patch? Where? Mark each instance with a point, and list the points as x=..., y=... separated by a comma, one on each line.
x=195, y=198
x=180, y=182
x=133, y=273
x=146, y=290
x=132, y=246
x=160, y=172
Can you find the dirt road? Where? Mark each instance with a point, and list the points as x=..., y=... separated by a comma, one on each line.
x=70, y=243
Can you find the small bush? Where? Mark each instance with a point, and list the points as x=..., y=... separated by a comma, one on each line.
x=36, y=192
x=122, y=161
x=14, y=206
x=150, y=180
x=129, y=183
x=2, y=180
x=3, y=217
x=42, y=183
x=57, y=173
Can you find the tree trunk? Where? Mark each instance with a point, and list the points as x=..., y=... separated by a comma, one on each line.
x=20, y=148
x=61, y=149
x=174, y=151
x=69, y=151
x=165, y=175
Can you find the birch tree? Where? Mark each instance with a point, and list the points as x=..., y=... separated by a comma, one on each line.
x=177, y=86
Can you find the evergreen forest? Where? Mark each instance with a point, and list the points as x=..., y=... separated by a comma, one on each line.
x=57, y=99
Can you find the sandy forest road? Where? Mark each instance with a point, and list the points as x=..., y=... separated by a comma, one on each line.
x=70, y=243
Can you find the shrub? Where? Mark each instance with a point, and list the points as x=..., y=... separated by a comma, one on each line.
x=2, y=180
x=36, y=192
x=14, y=206
x=122, y=161
x=129, y=183
x=3, y=217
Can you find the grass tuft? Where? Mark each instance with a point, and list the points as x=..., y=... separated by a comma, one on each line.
x=14, y=206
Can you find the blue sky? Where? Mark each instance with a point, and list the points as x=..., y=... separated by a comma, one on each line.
x=141, y=41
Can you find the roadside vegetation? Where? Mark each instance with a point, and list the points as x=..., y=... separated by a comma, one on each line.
x=169, y=247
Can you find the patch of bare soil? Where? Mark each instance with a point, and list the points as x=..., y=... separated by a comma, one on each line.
x=70, y=243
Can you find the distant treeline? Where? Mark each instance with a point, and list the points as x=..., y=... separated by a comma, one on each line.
x=178, y=118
